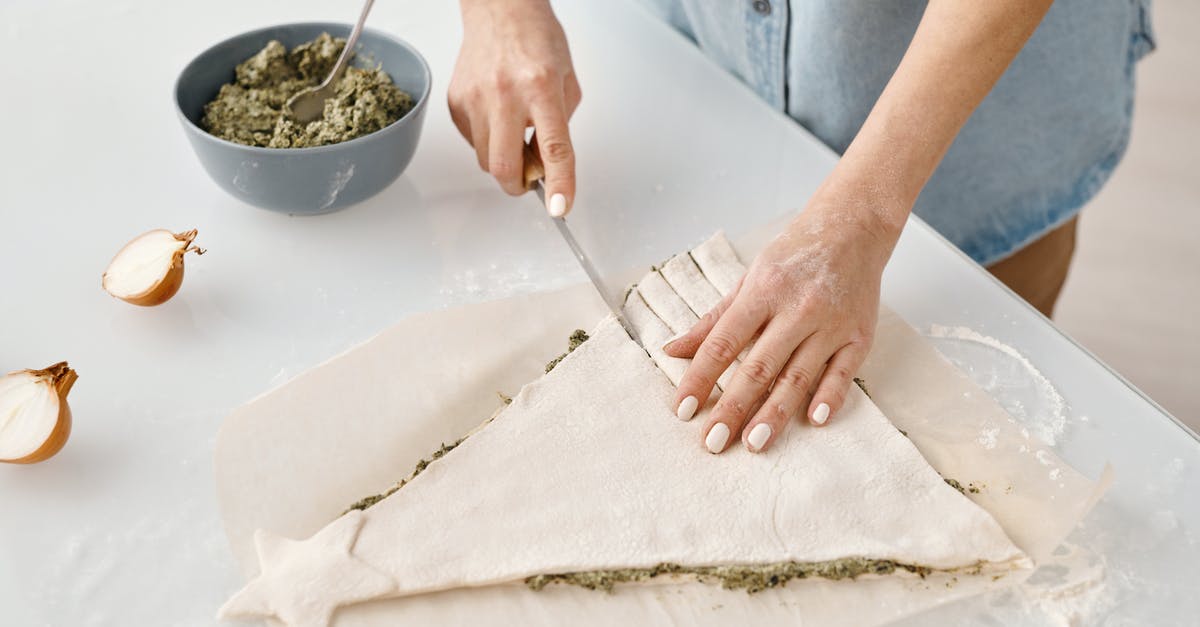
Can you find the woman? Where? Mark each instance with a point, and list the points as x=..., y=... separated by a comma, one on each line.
x=891, y=86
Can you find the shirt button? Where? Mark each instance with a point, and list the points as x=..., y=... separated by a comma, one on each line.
x=762, y=7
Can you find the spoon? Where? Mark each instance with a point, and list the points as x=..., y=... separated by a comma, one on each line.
x=308, y=105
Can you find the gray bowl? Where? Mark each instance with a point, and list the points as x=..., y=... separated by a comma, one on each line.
x=304, y=181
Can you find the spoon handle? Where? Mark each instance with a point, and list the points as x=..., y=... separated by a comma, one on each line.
x=340, y=67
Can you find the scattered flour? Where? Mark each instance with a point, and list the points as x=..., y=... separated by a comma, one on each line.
x=495, y=281
x=75, y=582
x=1048, y=424
x=1070, y=589
x=1077, y=605
x=283, y=376
x=988, y=437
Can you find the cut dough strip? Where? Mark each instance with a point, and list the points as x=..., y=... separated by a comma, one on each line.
x=684, y=276
x=653, y=333
x=665, y=303
x=691, y=283
x=676, y=313
x=719, y=263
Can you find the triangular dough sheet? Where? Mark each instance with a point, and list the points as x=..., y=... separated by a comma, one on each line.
x=588, y=469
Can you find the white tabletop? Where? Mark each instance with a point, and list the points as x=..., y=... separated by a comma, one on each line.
x=122, y=527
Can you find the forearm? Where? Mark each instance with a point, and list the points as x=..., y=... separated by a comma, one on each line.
x=958, y=53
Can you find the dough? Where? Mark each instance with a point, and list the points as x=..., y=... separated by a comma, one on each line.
x=719, y=263
x=653, y=333
x=588, y=469
x=684, y=276
x=665, y=303
x=671, y=309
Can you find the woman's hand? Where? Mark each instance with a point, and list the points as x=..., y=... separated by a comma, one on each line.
x=514, y=71
x=813, y=294
x=812, y=297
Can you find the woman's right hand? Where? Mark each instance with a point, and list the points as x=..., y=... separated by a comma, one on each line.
x=514, y=71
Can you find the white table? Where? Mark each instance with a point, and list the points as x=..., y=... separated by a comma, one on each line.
x=122, y=528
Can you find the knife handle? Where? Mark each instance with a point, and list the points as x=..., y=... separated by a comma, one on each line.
x=534, y=170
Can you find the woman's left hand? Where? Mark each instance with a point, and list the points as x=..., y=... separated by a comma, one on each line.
x=812, y=298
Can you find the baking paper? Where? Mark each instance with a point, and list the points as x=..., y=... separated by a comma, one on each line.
x=296, y=457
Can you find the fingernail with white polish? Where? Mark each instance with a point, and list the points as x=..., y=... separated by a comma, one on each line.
x=687, y=408
x=671, y=340
x=759, y=436
x=717, y=437
x=820, y=414
x=557, y=206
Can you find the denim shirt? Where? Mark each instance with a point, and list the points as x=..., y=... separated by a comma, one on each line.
x=1040, y=145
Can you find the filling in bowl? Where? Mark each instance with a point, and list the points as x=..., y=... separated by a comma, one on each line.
x=251, y=110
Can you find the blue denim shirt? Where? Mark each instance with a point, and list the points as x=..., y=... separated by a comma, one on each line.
x=1039, y=146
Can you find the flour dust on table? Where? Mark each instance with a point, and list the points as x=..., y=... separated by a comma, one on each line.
x=1011, y=378
x=587, y=477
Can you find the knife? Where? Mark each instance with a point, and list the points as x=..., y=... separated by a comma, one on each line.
x=535, y=179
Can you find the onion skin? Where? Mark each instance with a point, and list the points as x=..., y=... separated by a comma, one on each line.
x=63, y=378
x=162, y=291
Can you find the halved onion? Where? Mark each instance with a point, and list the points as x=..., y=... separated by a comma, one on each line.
x=149, y=270
x=35, y=419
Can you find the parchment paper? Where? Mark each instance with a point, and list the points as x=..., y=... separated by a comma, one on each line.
x=295, y=458
x=964, y=433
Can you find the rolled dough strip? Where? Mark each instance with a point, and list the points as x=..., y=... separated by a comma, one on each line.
x=722, y=261
x=665, y=303
x=672, y=310
x=653, y=333
x=719, y=263
x=684, y=276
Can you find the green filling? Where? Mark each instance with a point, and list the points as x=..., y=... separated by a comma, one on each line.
x=862, y=385
x=751, y=578
x=251, y=110
x=367, y=502
x=970, y=487
x=577, y=338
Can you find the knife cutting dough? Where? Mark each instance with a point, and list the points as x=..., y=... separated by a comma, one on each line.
x=903, y=96
x=853, y=500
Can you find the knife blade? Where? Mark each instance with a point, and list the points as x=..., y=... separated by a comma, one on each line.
x=535, y=179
